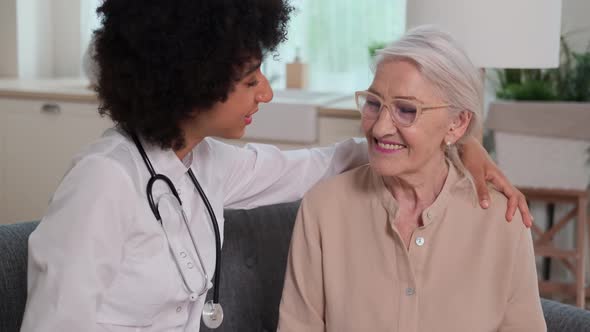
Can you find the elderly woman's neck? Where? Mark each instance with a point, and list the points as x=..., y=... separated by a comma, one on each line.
x=419, y=190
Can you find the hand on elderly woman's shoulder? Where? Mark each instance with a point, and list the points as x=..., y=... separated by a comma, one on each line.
x=483, y=170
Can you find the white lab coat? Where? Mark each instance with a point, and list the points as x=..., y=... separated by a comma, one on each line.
x=99, y=260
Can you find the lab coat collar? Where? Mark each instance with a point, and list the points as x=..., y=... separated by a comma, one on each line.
x=166, y=162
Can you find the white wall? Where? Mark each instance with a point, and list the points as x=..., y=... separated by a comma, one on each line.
x=576, y=20
x=8, y=39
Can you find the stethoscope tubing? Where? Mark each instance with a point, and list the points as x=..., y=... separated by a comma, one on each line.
x=155, y=177
x=216, y=275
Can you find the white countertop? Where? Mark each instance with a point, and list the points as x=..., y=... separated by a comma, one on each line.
x=78, y=90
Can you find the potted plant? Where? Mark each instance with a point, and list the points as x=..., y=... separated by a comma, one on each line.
x=374, y=47
x=569, y=82
x=541, y=122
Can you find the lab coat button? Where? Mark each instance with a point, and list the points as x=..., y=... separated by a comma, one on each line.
x=183, y=254
x=178, y=309
x=190, y=265
x=419, y=241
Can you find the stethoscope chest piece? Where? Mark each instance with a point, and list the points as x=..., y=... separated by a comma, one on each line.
x=212, y=315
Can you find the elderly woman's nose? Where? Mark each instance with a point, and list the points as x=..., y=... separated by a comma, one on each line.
x=384, y=124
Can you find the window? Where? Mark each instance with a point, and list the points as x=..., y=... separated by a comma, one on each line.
x=332, y=37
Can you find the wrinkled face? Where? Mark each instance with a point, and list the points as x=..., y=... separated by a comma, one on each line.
x=229, y=119
x=397, y=150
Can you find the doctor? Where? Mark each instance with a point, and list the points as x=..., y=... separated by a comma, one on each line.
x=118, y=251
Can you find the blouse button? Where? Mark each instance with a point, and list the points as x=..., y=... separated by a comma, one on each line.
x=178, y=309
x=420, y=241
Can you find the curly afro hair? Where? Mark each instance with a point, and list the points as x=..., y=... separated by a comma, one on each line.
x=162, y=61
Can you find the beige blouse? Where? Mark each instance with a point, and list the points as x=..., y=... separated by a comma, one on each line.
x=466, y=269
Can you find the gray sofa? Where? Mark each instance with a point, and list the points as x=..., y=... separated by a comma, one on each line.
x=253, y=263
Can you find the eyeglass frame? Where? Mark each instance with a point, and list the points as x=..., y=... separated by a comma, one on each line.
x=420, y=107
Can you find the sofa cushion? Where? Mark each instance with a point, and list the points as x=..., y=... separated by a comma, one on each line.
x=253, y=259
x=565, y=318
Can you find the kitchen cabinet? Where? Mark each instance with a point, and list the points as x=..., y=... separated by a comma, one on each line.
x=334, y=129
x=38, y=140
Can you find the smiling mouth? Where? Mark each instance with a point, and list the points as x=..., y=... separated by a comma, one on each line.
x=388, y=147
x=248, y=117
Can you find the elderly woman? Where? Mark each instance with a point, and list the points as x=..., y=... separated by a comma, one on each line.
x=400, y=244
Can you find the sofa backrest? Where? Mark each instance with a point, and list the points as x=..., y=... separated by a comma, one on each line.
x=254, y=258
x=13, y=274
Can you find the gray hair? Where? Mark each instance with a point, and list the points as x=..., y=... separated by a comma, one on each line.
x=445, y=64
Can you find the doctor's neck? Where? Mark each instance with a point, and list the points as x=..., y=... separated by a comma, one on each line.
x=189, y=145
x=192, y=134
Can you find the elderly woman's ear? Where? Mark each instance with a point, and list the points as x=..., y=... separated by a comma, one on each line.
x=458, y=127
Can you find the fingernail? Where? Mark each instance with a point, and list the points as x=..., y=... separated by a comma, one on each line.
x=485, y=203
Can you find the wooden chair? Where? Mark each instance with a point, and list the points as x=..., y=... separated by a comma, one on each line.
x=574, y=259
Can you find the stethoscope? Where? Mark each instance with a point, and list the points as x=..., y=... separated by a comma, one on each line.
x=212, y=312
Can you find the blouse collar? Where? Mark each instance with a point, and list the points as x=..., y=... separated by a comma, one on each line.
x=430, y=214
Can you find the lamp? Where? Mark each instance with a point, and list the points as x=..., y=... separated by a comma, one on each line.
x=496, y=33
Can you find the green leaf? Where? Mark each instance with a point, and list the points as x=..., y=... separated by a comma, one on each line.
x=569, y=82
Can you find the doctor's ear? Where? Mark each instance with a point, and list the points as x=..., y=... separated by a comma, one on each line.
x=458, y=126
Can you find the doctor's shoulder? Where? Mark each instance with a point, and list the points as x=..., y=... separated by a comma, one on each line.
x=95, y=201
x=112, y=145
x=104, y=167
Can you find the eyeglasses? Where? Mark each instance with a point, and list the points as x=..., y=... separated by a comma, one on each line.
x=403, y=111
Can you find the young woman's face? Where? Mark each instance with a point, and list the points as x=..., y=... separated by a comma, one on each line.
x=229, y=119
